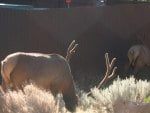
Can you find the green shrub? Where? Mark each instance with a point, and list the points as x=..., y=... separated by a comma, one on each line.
x=147, y=99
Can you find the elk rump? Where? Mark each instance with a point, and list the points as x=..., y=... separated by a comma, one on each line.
x=49, y=71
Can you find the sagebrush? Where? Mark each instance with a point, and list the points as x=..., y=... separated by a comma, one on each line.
x=35, y=100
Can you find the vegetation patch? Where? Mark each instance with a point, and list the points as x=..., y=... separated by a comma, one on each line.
x=36, y=100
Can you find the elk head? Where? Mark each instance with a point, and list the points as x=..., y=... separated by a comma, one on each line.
x=139, y=56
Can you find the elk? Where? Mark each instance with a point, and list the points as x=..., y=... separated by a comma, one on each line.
x=49, y=71
x=139, y=54
x=139, y=57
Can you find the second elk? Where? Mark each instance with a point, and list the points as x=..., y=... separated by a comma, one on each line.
x=139, y=57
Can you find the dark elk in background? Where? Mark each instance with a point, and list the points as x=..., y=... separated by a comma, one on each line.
x=139, y=55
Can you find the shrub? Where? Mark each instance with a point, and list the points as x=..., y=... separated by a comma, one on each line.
x=36, y=100
x=147, y=99
x=33, y=100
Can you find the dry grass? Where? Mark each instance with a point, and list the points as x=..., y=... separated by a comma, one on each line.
x=33, y=100
x=36, y=100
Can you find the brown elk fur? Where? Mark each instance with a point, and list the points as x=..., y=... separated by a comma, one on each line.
x=49, y=71
x=139, y=57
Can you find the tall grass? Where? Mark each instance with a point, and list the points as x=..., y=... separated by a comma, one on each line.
x=35, y=100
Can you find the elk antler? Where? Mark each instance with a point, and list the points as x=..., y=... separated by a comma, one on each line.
x=110, y=72
x=71, y=50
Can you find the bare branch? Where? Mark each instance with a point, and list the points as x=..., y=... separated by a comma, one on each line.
x=71, y=50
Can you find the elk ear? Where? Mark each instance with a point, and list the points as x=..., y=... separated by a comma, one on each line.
x=132, y=52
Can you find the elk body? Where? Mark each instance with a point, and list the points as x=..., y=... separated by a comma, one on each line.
x=139, y=57
x=49, y=71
